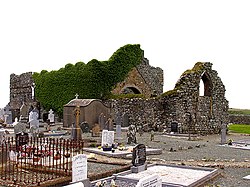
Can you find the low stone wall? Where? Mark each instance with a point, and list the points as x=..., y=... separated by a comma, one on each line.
x=239, y=119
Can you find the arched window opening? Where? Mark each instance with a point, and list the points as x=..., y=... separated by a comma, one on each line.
x=205, y=85
x=130, y=90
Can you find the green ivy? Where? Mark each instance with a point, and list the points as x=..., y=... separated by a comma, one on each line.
x=96, y=79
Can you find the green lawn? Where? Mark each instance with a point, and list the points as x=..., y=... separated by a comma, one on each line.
x=238, y=128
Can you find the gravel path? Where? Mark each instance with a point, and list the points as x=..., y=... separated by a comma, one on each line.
x=204, y=151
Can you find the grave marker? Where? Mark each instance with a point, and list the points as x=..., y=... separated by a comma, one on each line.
x=125, y=120
x=223, y=133
x=150, y=181
x=51, y=116
x=101, y=121
x=79, y=168
x=85, y=127
x=107, y=138
x=139, y=155
x=96, y=130
x=19, y=127
x=118, y=128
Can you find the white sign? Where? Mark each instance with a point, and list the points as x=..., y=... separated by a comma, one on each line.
x=108, y=137
x=150, y=181
x=79, y=168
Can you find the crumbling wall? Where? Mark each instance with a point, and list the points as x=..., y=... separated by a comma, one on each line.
x=193, y=113
x=143, y=79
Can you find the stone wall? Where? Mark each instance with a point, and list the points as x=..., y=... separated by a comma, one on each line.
x=194, y=113
x=143, y=79
x=239, y=119
x=20, y=89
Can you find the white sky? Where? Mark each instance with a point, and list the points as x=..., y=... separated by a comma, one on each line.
x=48, y=34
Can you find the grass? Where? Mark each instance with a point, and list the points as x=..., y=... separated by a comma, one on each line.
x=239, y=111
x=239, y=128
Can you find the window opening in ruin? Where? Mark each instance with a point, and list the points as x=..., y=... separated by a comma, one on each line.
x=205, y=86
x=130, y=90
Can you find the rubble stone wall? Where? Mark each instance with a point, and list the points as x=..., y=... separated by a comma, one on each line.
x=20, y=89
x=146, y=79
x=239, y=119
x=193, y=113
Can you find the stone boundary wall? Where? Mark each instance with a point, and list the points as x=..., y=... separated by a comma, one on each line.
x=239, y=119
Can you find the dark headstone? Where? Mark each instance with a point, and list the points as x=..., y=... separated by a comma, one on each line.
x=85, y=127
x=139, y=155
x=21, y=139
x=125, y=120
x=174, y=126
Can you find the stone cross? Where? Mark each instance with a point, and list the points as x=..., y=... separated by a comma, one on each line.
x=77, y=96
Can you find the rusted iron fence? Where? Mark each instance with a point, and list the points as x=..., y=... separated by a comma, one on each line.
x=26, y=161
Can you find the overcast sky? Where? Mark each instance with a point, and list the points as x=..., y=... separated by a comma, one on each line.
x=48, y=34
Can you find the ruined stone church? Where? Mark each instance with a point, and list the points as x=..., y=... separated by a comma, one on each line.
x=194, y=113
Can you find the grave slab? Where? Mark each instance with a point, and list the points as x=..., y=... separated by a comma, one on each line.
x=122, y=154
x=172, y=175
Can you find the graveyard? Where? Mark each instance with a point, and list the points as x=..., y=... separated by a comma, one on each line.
x=128, y=133
x=168, y=159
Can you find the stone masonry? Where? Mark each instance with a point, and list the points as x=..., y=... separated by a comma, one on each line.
x=142, y=79
x=20, y=91
x=194, y=113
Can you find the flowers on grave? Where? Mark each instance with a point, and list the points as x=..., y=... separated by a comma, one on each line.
x=101, y=183
x=99, y=147
x=230, y=142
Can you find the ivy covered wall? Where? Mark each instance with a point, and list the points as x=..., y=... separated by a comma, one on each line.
x=95, y=79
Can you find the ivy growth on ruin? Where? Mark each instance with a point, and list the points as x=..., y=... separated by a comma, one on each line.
x=96, y=79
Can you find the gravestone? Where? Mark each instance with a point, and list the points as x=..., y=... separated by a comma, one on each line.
x=125, y=120
x=73, y=132
x=174, y=127
x=19, y=128
x=139, y=158
x=131, y=134
x=79, y=169
x=21, y=139
x=51, y=116
x=109, y=124
x=101, y=121
x=2, y=135
x=107, y=138
x=34, y=123
x=96, y=130
x=7, y=115
x=223, y=133
x=150, y=181
x=139, y=155
x=24, y=111
x=118, y=128
x=2, y=114
x=85, y=127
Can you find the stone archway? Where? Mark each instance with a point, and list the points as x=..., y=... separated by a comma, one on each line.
x=130, y=89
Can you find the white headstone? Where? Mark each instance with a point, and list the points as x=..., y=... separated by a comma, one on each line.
x=107, y=137
x=51, y=116
x=13, y=156
x=150, y=181
x=79, y=168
